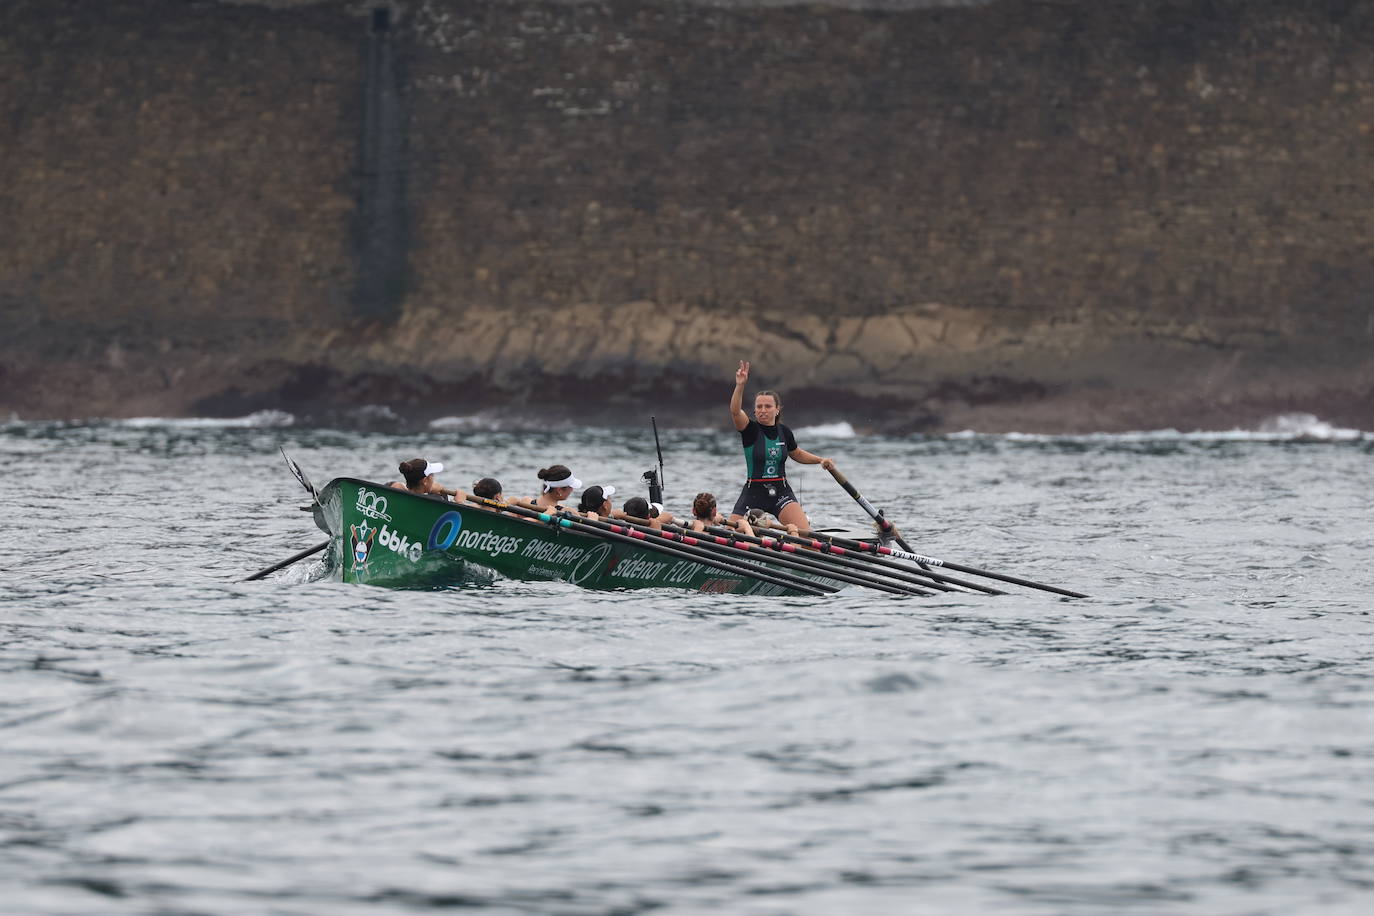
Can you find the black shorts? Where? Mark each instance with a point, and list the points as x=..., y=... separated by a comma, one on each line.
x=770, y=497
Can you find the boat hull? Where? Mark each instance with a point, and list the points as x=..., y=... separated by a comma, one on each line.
x=385, y=536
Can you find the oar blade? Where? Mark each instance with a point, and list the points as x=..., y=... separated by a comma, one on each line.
x=300, y=475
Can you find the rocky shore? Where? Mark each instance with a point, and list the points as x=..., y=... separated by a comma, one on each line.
x=925, y=369
x=1010, y=216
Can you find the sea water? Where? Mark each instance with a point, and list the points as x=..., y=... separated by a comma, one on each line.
x=1196, y=737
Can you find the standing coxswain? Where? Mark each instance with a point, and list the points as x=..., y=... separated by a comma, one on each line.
x=767, y=446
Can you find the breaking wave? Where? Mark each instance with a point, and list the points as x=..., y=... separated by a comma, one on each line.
x=475, y=421
x=262, y=419
x=1289, y=427
x=839, y=430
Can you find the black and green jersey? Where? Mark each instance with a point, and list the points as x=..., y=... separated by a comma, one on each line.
x=766, y=449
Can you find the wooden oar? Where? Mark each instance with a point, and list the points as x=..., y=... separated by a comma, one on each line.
x=287, y=562
x=946, y=564
x=860, y=563
x=629, y=535
x=790, y=561
x=774, y=551
x=884, y=525
x=829, y=548
x=697, y=548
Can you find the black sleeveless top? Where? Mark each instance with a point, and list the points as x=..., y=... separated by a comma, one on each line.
x=765, y=451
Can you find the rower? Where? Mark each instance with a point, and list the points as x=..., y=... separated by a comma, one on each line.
x=419, y=479
x=757, y=518
x=558, y=484
x=487, y=488
x=596, y=502
x=767, y=446
x=705, y=514
x=638, y=509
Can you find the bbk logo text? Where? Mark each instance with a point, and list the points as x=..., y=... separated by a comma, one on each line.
x=394, y=540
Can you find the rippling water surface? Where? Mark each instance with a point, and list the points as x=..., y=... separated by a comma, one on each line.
x=1195, y=738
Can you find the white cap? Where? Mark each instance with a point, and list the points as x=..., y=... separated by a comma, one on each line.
x=655, y=509
x=569, y=481
x=433, y=468
x=590, y=493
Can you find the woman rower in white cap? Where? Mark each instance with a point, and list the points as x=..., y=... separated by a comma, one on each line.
x=419, y=478
x=596, y=502
x=558, y=485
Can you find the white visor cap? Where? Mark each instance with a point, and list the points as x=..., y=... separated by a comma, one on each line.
x=569, y=481
x=433, y=468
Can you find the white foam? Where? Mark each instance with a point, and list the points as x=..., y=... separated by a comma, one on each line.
x=839, y=430
x=262, y=419
x=1287, y=427
x=476, y=421
x=1306, y=426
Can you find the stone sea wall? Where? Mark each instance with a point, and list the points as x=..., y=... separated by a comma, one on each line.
x=1064, y=215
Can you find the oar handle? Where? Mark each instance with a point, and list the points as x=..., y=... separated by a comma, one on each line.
x=877, y=516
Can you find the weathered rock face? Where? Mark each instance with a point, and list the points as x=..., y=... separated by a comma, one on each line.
x=1070, y=216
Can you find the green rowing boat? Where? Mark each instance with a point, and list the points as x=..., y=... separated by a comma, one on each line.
x=384, y=536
